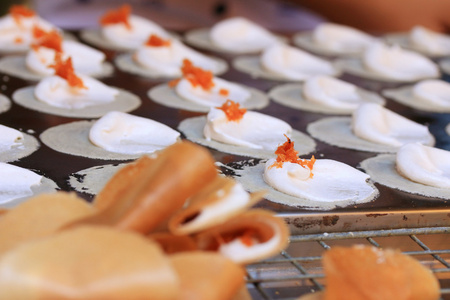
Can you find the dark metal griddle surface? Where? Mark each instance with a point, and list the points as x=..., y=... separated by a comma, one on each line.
x=392, y=209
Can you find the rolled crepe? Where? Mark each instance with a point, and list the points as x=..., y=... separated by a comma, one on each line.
x=207, y=275
x=38, y=217
x=249, y=237
x=3, y=211
x=172, y=244
x=221, y=200
x=120, y=182
x=90, y=262
x=365, y=272
x=153, y=193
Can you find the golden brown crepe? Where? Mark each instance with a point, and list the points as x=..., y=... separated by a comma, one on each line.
x=186, y=221
x=249, y=237
x=242, y=294
x=121, y=181
x=207, y=276
x=172, y=243
x=155, y=190
x=40, y=216
x=57, y=246
x=89, y=262
x=368, y=273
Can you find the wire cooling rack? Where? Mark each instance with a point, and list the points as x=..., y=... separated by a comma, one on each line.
x=298, y=270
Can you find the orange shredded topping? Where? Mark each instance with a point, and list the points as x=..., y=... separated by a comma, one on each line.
x=197, y=76
x=64, y=69
x=233, y=111
x=18, y=40
x=156, y=41
x=120, y=15
x=38, y=32
x=173, y=83
x=224, y=92
x=246, y=237
x=51, y=40
x=20, y=11
x=287, y=153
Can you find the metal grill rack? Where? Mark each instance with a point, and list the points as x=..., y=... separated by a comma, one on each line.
x=298, y=271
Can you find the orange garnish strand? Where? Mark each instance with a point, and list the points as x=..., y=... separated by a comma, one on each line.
x=173, y=83
x=224, y=92
x=248, y=238
x=197, y=76
x=287, y=153
x=233, y=111
x=21, y=11
x=120, y=15
x=38, y=32
x=310, y=163
x=51, y=40
x=64, y=69
x=18, y=40
x=155, y=41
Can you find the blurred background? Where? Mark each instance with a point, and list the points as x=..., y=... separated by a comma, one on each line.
x=175, y=14
x=283, y=16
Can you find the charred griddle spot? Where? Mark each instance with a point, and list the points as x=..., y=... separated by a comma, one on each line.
x=228, y=171
x=240, y=165
x=348, y=225
x=230, y=168
x=375, y=215
x=308, y=223
x=330, y=220
x=305, y=224
x=405, y=218
x=79, y=177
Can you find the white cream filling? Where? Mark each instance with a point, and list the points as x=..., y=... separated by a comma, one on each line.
x=134, y=37
x=331, y=92
x=127, y=134
x=86, y=60
x=236, y=199
x=341, y=38
x=239, y=252
x=16, y=182
x=168, y=60
x=9, y=137
x=374, y=123
x=293, y=63
x=396, y=63
x=425, y=165
x=434, y=91
x=254, y=130
x=332, y=181
x=10, y=31
x=212, y=97
x=55, y=91
x=428, y=41
x=241, y=35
